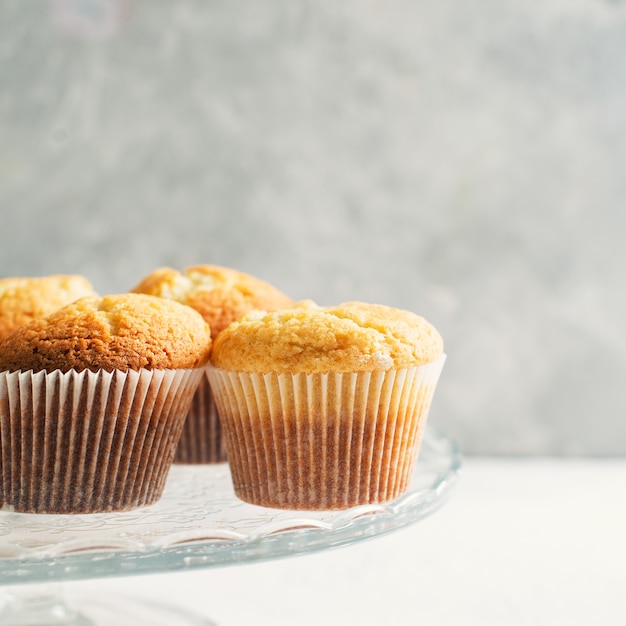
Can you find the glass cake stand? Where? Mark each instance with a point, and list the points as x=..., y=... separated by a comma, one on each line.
x=197, y=523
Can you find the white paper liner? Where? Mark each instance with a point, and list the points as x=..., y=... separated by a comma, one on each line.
x=201, y=441
x=323, y=441
x=85, y=442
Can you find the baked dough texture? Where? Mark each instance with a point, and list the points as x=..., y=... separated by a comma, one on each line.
x=350, y=337
x=25, y=299
x=123, y=332
x=220, y=294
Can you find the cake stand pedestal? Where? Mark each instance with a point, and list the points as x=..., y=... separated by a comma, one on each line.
x=197, y=523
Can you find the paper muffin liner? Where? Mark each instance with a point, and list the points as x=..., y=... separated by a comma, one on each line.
x=323, y=441
x=87, y=442
x=201, y=441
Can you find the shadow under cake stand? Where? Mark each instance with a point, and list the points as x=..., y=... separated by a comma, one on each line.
x=197, y=523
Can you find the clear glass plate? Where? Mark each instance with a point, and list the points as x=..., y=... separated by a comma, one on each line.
x=199, y=522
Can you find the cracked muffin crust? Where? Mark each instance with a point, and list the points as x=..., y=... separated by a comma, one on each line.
x=220, y=294
x=125, y=331
x=349, y=337
x=25, y=299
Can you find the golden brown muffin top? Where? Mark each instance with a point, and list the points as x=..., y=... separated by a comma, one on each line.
x=25, y=299
x=350, y=337
x=127, y=331
x=220, y=294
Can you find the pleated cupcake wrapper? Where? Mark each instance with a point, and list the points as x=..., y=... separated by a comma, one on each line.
x=201, y=441
x=83, y=442
x=323, y=441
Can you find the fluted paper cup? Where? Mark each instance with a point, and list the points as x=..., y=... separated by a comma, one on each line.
x=323, y=441
x=201, y=441
x=87, y=442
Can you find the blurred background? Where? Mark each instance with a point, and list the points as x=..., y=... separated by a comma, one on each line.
x=464, y=164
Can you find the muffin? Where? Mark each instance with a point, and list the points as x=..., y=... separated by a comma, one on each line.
x=221, y=295
x=92, y=402
x=25, y=299
x=325, y=407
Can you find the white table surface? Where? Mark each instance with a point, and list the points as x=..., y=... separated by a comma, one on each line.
x=520, y=542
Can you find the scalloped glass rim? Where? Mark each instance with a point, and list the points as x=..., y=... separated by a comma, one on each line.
x=200, y=523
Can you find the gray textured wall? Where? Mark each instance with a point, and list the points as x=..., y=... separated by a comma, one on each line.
x=463, y=161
